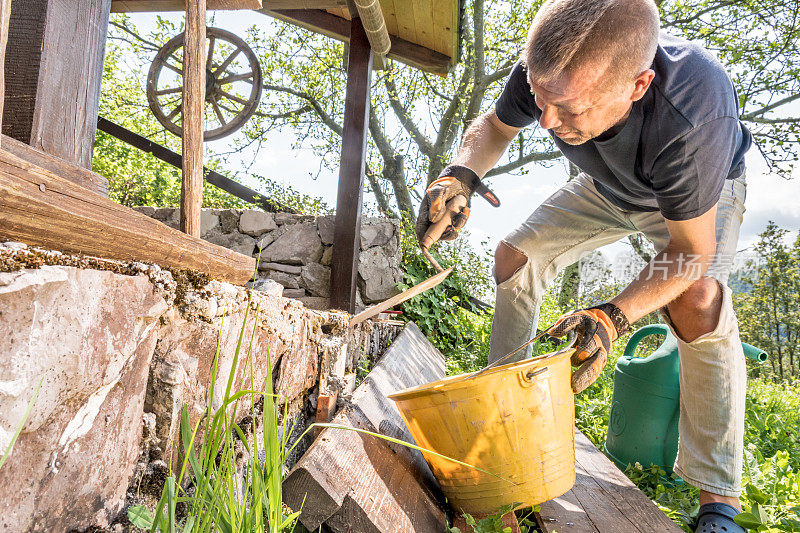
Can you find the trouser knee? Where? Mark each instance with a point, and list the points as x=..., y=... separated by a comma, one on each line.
x=507, y=261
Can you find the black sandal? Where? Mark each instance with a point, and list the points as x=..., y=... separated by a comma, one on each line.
x=717, y=518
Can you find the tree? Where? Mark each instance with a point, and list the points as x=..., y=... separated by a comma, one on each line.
x=768, y=313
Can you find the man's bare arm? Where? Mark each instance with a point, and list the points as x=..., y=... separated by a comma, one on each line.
x=686, y=258
x=485, y=141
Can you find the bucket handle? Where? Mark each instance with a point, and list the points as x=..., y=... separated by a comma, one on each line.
x=639, y=334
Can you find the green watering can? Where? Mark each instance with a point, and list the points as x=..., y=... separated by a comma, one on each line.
x=643, y=425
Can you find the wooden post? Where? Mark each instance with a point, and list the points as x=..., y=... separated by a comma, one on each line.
x=347, y=231
x=53, y=70
x=5, y=14
x=194, y=96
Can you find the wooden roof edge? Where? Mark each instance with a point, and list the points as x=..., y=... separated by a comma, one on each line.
x=321, y=21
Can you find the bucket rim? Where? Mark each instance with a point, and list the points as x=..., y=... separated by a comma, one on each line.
x=458, y=381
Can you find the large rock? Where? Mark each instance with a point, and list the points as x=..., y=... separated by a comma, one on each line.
x=325, y=226
x=238, y=242
x=379, y=273
x=298, y=245
x=256, y=223
x=290, y=281
x=376, y=232
x=316, y=279
x=88, y=337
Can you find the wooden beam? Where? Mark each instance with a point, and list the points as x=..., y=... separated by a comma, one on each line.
x=54, y=66
x=40, y=208
x=194, y=96
x=321, y=21
x=154, y=6
x=356, y=483
x=347, y=229
x=78, y=175
x=5, y=14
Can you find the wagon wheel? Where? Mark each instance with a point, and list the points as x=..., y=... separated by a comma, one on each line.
x=233, y=84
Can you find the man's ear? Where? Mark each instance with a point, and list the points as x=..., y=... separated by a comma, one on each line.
x=641, y=83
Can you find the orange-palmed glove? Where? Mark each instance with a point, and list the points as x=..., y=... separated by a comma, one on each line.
x=454, y=180
x=596, y=328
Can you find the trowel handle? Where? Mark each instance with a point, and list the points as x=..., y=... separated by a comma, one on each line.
x=456, y=204
x=639, y=334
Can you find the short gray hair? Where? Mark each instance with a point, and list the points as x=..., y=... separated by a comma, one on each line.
x=621, y=35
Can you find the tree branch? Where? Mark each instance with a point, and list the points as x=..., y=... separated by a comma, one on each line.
x=770, y=107
x=318, y=109
x=422, y=141
x=535, y=156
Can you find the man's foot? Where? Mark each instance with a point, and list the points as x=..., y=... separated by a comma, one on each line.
x=717, y=518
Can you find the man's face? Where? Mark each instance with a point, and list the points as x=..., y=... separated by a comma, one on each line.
x=578, y=106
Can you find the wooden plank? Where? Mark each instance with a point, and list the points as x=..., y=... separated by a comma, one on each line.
x=138, y=6
x=603, y=500
x=445, y=22
x=194, y=96
x=41, y=208
x=356, y=483
x=347, y=227
x=407, y=52
x=53, y=75
x=419, y=288
x=423, y=23
x=5, y=15
x=79, y=175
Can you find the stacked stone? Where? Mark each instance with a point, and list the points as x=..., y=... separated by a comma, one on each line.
x=296, y=251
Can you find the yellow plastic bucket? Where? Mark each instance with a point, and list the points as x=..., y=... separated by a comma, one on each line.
x=515, y=421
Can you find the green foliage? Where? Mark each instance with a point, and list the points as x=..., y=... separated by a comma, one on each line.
x=768, y=313
x=491, y=524
x=445, y=313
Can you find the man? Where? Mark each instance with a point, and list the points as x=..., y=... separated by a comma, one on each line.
x=652, y=122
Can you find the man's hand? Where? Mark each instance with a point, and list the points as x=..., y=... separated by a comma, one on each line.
x=453, y=180
x=596, y=327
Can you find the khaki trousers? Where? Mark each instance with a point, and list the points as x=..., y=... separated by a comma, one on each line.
x=576, y=220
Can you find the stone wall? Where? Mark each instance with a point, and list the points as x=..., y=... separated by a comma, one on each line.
x=296, y=250
x=115, y=350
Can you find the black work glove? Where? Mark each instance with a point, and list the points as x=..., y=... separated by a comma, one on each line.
x=596, y=327
x=453, y=180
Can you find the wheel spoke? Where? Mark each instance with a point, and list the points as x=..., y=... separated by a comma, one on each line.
x=175, y=112
x=236, y=77
x=227, y=61
x=169, y=91
x=210, y=55
x=218, y=112
x=172, y=67
x=233, y=97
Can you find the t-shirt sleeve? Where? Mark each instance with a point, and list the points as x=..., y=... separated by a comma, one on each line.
x=516, y=105
x=689, y=174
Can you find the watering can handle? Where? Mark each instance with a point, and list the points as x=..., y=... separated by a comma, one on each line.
x=639, y=334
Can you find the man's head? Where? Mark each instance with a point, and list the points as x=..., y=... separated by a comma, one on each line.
x=588, y=61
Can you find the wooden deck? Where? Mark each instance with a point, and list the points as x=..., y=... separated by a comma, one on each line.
x=603, y=500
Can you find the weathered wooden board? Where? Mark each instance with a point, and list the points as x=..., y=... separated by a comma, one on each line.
x=193, y=97
x=41, y=208
x=603, y=500
x=357, y=483
x=53, y=74
x=79, y=175
x=133, y=6
x=5, y=14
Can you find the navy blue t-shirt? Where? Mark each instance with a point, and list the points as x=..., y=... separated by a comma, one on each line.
x=682, y=140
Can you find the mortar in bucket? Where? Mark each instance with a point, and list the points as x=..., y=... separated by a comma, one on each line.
x=514, y=421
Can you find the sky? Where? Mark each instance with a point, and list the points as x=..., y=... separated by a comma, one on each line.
x=769, y=197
